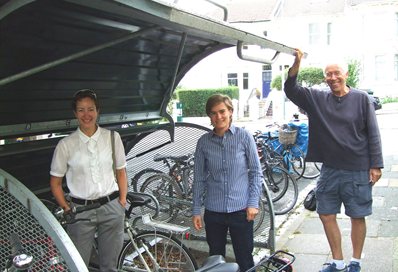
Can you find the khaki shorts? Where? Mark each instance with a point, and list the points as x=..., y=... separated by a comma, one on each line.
x=352, y=188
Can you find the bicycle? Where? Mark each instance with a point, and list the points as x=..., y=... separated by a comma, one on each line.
x=154, y=250
x=290, y=154
x=281, y=185
x=174, y=190
x=280, y=261
x=181, y=163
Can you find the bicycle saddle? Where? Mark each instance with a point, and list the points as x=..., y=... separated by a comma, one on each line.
x=216, y=263
x=159, y=157
x=137, y=200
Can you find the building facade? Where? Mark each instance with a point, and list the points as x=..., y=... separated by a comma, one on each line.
x=365, y=31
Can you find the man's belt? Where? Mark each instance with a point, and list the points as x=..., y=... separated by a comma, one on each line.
x=101, y=200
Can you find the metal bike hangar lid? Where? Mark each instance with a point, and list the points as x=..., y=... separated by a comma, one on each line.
x=132, y=53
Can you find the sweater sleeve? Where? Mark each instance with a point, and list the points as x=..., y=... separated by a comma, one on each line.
x=375, y=147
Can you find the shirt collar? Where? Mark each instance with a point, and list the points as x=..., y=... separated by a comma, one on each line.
x=85, y=138
x=231, y=129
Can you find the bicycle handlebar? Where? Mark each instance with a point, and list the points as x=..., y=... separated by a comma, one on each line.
x=80, y=209
x=68, y=217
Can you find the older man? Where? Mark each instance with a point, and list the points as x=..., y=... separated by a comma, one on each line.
x=345, y=137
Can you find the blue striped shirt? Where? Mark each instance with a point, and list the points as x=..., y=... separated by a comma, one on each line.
x=228, y=174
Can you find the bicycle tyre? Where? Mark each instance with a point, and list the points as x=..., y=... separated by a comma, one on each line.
x=312, y=170
x=275, y=181
x=294, y=157
x=289, y=199
x=183, y=175
x=170, y=253
x=259, y=219
x=141, y=176
x=164, y=188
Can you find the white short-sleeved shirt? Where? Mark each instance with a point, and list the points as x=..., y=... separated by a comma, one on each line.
x=87, y=163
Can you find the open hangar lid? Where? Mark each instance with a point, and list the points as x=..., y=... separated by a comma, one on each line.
x=132, y=53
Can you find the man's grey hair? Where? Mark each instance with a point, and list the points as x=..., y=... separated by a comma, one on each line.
x=340, y=62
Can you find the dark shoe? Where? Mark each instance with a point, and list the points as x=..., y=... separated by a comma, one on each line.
x=331, y=267
x=354, y=267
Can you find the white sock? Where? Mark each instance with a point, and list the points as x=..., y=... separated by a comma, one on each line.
x=355, y=260
x=340, y=264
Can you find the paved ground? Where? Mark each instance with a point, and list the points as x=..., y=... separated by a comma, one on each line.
x=301, y=232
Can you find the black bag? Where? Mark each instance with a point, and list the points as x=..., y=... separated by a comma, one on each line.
x=310, y=201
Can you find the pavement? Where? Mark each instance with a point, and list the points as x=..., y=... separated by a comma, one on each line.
x=302, y=234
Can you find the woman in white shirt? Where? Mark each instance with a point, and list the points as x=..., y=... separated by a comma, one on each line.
x=85, y=159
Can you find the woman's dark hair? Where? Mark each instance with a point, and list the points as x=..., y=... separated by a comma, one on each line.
x=79, y=95
x=216, y=99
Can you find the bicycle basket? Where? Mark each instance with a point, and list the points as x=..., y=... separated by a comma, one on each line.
x=287, y=136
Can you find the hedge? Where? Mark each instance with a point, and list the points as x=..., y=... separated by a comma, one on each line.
x=194, y=101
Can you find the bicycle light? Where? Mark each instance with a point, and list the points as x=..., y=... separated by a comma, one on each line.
x=22, y=261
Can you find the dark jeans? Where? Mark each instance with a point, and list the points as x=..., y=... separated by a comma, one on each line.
x=241, y=232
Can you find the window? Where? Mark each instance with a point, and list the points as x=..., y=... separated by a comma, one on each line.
x=380, y=67
x=267, y=67
x=314, y=34
x=329, y=34
x=396, y=67
x=232, y=79
x=245, y=81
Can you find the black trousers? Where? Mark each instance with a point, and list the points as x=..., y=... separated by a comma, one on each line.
x=241, y=232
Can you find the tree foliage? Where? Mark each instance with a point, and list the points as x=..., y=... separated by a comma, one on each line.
x=353, y=73
x=277, y=82
x=310, y=76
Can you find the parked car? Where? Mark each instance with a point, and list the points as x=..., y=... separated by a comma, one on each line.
x=375, y=99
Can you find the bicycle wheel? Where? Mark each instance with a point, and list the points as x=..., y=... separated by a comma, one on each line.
x=168, y=252
x=141, y=176
x=276, y=182
x=294, y=158
x=165, y=190
x=287, y=200
x=312, y=170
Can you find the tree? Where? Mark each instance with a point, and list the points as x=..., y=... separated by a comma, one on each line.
x=353, y=73
x=308, y=76
x=277, y=83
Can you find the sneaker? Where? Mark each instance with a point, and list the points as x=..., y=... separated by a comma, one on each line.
x=354, y=267
x=331, y=267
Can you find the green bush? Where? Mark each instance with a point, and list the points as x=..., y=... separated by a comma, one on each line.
x=389, y=99
x=308, y=75
x=194, y=101
x=311, y=76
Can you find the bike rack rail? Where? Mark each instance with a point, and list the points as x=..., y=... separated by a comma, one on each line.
x=41, y=234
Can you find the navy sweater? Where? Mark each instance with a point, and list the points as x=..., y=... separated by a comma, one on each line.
x=343, y=131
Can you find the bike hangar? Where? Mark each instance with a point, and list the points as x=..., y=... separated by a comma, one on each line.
x=133, y=53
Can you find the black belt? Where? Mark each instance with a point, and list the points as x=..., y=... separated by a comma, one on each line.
x=101, y=200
